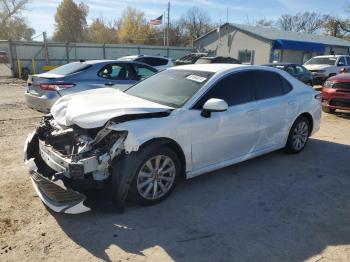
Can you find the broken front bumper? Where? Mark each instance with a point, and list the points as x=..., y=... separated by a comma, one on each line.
x=53, y=193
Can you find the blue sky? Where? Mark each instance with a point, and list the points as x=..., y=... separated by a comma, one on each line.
x=40, y=13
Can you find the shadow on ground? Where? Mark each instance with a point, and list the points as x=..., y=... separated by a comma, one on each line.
x=277, y=207
x=343, y=114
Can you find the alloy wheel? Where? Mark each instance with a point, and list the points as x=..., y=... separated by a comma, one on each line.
x=300, y=135
x=156, y=177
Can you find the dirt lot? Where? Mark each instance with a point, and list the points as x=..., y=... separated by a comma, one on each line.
x=274, y=208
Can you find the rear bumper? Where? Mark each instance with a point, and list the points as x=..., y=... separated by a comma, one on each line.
x=53, y=193
x=41, y=103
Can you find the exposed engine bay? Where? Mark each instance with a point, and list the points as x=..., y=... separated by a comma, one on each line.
x=86, y=150
x=64, y=160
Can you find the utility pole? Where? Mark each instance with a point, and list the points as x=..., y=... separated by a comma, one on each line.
x=168, y=22
x=46, y=49
x=227, y=15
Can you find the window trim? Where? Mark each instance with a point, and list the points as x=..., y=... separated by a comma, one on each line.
x=194, y=104
x=192, y=107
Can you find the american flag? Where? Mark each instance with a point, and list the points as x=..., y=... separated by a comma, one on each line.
x=157, y=21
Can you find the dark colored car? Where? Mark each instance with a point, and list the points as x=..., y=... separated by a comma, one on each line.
x=4, y=57
x=217, y=60
x=336, y=93
x=189, y=59
x=44, y=89
x=296, y=70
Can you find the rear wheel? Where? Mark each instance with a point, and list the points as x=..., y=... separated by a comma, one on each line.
x=298, y=135
x=328, y=110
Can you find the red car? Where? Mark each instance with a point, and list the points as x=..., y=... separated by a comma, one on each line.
x=336, y=93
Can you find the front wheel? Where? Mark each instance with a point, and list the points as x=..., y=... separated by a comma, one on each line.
x=298, y=135
x=156, y=176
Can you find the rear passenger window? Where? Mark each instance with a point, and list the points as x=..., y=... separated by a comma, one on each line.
x=286, y=86
x=268, y=84
x=234, y=89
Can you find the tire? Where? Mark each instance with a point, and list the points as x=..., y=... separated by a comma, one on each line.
x=328, y=110
x=143, y=190
x=298, y=135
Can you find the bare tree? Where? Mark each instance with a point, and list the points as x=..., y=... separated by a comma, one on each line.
x=12, y=24
x=10, y=8
x=302, y=22
x=196, y=22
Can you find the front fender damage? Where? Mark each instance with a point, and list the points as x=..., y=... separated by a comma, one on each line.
x=60, y=158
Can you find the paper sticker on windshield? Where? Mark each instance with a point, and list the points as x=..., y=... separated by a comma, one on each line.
x=198, y=79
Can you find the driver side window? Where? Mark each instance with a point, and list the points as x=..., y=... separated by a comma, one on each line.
x=235, y=89
x=114, y=72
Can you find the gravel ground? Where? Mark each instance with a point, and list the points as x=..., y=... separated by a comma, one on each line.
x=277, y=207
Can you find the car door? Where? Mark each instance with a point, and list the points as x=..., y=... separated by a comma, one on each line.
x=275, y=106
x=115, y=75
x=225, y=135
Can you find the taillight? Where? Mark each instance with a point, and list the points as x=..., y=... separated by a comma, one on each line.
x=55, y=86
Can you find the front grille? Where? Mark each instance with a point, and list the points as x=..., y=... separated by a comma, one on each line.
x=344, y=85
x=54, y=192
x=340, y=102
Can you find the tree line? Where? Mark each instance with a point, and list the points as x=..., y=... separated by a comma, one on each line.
x=133, y=27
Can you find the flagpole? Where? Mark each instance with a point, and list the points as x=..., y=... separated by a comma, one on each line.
x=164, y=41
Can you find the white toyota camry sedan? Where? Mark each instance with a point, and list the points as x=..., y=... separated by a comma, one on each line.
x=182, y=122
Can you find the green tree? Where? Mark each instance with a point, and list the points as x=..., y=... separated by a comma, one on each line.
x=12, y=24
x=100, y=32
x=70, y=21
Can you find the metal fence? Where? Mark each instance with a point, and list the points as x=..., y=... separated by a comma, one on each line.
x=31, y=57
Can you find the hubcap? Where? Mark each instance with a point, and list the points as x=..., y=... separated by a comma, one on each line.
x=156, y=177
x=300, y=135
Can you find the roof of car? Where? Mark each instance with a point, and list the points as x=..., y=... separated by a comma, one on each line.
x=215, y=68
x=131, y=57
x=280, y=64
x=329, y=56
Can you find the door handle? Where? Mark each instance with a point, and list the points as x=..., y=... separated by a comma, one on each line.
x=109, y=84
x=291, y=103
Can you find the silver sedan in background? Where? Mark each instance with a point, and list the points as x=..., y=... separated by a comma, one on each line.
x=44, y=89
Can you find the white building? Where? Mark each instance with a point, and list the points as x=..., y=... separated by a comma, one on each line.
x=259, y=45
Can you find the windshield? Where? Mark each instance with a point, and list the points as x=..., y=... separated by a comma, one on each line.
x=170, y=87
x=69, y=68
x=321, y=61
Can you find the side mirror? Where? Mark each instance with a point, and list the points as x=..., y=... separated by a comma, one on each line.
x=343, y=70
x=214, y=105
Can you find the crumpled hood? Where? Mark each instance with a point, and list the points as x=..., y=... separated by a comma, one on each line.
x=317, y=67
x=93, y=108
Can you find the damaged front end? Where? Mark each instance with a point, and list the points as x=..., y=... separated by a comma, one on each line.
x=62, y=161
